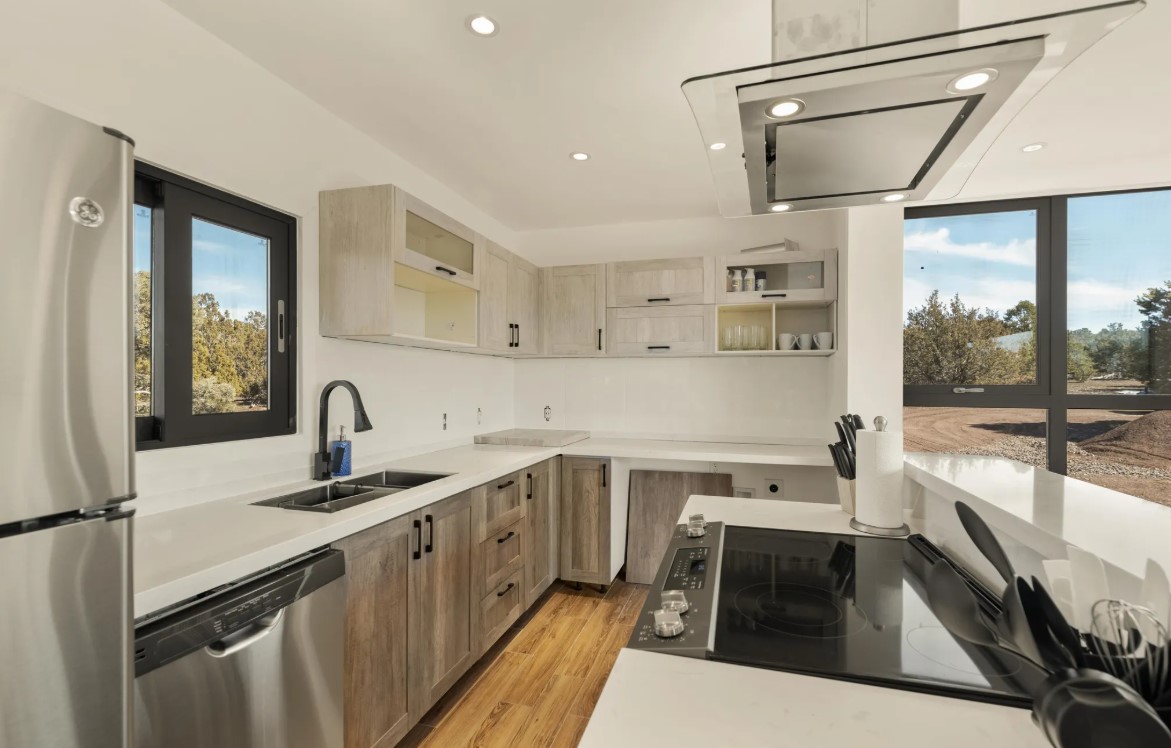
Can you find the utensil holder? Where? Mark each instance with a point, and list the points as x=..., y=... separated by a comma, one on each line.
x=847, y=492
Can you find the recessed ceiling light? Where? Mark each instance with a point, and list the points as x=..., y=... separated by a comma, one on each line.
x=1031, y=147
x=973, y=80
x=718, y=146
x=894, y=197
x=784, y=108
x=579, y=156
x=780, y=207
x=482, y=25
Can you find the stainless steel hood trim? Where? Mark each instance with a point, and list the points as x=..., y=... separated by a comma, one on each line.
x=716, y=101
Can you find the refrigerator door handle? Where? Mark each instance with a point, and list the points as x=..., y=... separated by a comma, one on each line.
x=264, y=627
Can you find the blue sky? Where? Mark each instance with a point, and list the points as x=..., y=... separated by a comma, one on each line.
x=1119, y=245
x=228, y=263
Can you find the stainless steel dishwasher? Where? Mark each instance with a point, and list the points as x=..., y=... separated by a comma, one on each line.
x=257, y=664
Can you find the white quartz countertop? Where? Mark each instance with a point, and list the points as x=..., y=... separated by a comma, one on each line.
x=652, y=697
x=184, y=552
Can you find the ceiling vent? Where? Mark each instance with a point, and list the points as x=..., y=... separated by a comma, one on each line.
x=908, y=118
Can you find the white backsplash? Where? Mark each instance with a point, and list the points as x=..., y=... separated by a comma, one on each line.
x=724, y=399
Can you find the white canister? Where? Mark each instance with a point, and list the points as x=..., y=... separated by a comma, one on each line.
x=737, y=280
x=749, y=282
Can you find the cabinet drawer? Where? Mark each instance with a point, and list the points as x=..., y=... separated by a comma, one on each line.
x=643, y=331
x=497, y=505
x=659, y=282
x=502, y=555
x=500, y=608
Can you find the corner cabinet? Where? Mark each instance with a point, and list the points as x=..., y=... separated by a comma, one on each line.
x=573, y=310
x=508, y=303
x=585, y=520
x=393, y=270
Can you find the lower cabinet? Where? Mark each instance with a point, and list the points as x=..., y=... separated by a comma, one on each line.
x=585, y=520
x=408, y=619
x=657, y=497
x=542, y=494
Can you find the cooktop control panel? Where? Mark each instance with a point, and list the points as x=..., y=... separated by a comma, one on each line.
x=678, y=616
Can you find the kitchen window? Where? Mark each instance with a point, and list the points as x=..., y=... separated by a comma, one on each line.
x=1040, y=330
x=214, y=280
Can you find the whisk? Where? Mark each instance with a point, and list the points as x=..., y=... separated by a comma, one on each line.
x=1131, y=643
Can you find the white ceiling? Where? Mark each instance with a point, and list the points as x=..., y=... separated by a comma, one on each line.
x=496, y=118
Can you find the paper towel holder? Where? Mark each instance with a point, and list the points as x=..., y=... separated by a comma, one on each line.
x=889, y=532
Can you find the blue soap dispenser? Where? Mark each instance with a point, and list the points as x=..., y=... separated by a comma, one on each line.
x=341, y=452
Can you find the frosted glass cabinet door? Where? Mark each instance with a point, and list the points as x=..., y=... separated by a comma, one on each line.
x=433, y=243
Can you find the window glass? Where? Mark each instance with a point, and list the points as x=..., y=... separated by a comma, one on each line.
x=142, y=312
x=969, y=295
x=229, y=319
x=1119, y=294
x=1126, y=450
x=1015, y=433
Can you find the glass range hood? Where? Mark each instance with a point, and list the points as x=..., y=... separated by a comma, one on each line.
x=907, y=120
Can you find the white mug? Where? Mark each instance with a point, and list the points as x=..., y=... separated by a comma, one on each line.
x=786, y=342
x=824, y=341
x=805, y=341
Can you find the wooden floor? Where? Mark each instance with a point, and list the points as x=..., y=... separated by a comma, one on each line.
x=538, y=685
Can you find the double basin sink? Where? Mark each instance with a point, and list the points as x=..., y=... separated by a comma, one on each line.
x=334, y=497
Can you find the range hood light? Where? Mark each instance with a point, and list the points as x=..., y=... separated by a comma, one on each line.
x=785, y=108
x=780, y=207
x=973, y=80
x=718, y=146
x=894, y=197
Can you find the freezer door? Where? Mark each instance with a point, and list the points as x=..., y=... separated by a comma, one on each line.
x=65, y=254
x=65, y=636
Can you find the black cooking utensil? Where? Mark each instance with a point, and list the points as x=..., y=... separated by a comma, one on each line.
x=1053, y=655
x=839, y=464
x=1092, y=709
x=982, y=536
x=956, y=606
x=1066, y=635
x=1013, y=623
x=841, y=432
x=851, y=462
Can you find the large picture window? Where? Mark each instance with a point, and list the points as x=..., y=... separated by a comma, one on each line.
x=213, y=323
x=1040, y=330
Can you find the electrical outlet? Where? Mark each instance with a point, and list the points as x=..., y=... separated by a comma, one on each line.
x=445, y=422
x=743, y=493
x=479, y=416
x=775, y=488
x=715, y=468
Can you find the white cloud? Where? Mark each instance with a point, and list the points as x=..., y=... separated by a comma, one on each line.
x=1022, y=252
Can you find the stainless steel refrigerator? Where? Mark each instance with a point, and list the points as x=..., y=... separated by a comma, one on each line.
x=66, y=430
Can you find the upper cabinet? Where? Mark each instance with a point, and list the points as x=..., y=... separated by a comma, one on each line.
x=660, y=282
x=435, y=244
x=393, y=270
x=573, y=310
x=508, y=303
x=779, y=277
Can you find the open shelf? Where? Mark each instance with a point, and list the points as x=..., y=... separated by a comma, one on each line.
x=430, y=309
x=774, y=319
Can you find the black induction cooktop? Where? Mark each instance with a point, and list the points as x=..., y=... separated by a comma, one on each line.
x=839, y=606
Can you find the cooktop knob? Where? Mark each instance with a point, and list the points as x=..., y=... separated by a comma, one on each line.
x=675, y=600
x=696, y=526
x=668, y=624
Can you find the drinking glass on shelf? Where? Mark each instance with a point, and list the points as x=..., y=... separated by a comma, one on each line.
x=738, y=338
x=727, y=337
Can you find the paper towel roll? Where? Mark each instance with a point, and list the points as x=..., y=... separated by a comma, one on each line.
x=879, y=501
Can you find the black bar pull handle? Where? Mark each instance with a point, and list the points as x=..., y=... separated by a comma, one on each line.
x=599, y=338
x=518, y=335
x=773, y=295
x=442, y=269
x=661, y=298
x=530, y=488
x=430, y=533
x=511, y=534
x=505, y=485
x=603, y=475
x=418, y=553
x=511, y=335
x=658, y=347
x=504, y=591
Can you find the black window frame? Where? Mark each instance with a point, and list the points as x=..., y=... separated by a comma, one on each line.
x=174, y=201
x=1051, y=394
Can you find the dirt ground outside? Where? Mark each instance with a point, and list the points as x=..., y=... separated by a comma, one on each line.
x=1127, y=451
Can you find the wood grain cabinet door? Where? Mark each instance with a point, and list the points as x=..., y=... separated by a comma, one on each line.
x=539, y=494
x=441, y=638
x=378, y=566
x=496, y=331
x=585, y=520
x=686, y=280
x=523, y=305
x=573, y=310
x=657, y=498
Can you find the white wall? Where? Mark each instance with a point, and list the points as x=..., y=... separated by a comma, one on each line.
x=199, y=107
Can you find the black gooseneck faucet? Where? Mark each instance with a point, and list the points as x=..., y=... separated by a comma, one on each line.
x=324, y=463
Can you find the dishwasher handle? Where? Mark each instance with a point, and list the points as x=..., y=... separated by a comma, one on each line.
x=260, y=629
